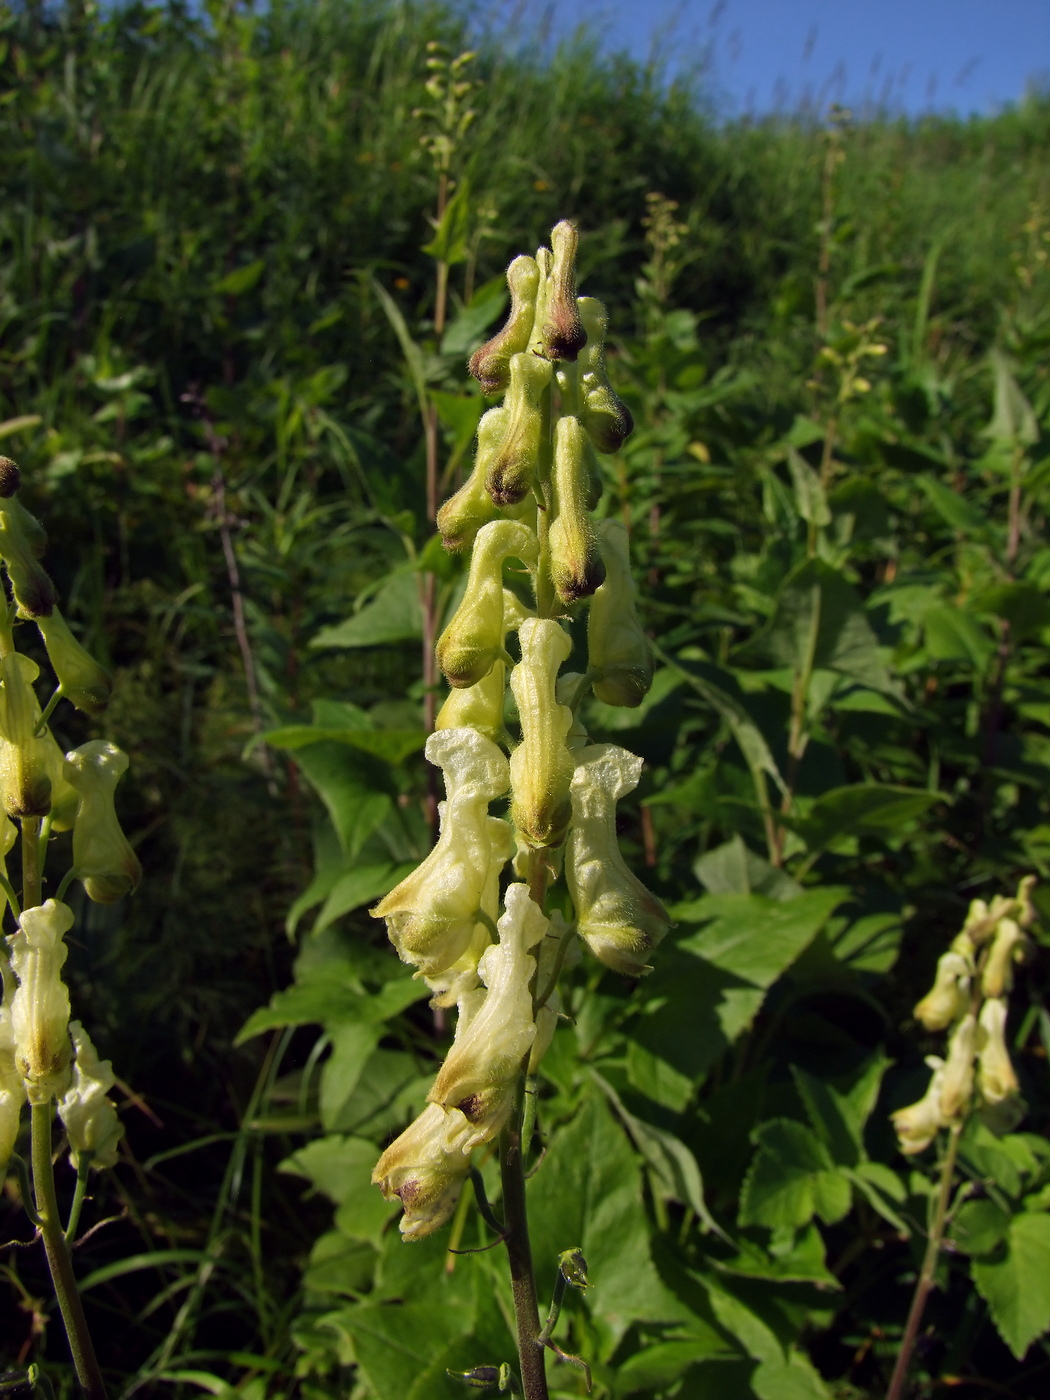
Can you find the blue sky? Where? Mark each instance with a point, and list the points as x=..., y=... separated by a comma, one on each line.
x=761, y=55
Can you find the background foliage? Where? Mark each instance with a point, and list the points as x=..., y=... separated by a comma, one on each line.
x=216, y=345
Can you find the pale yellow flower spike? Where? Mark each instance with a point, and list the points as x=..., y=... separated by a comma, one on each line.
x=617, y=648
x=40, y=1006
x=425, y=1169
x=617, y=917
x=480, y=1072
x=431, y=914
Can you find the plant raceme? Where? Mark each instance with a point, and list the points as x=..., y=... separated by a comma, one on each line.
x=537, y=556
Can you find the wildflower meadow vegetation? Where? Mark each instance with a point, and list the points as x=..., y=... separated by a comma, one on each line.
x=562, y=581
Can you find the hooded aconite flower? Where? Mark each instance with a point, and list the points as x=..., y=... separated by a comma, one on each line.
x=87, y=684
x=431, y=914
x=1008, y=947
x=563, y=335
x=605, y=416
x=917, y=1124
x=89, y=1117
x=996, y=1079
x=490, y=365
x=617, y=648
x=496, y=1027
x=425, y=1169
x=617, y=917
x=481, y=705
x=576, y=566
x=541, y=766
x=102, y=856
x=24, y=776
x=462, y=976
x=12, y=1087
x=463, y=515
x=473, y=641
x=512, y=468
x=22, y=541
x=40, y=1006
x=957, y=1085
x=949, y=998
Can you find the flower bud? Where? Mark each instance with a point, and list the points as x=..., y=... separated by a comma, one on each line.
x=563, y=334
x=463, y=515
x=12, y=1087
x=425, y=1168
x=514, y=466
x=24, y=778
x=996, y=1079
x=917, y=1125
x=616, y=644
x=90, y=1118
x=1008, y=947
x=982, y=920
x=541, y=766
x=473, y=641
x=103, y=858
x=576, y=566
x=605, y=416
x=1027, y=914
x=431, y=914
x=949, y=997
x=496, y=1027
x=957, y=1086
x=22, y=541
x=490, y=365
x=87, y=684
x=617, y=917
x=40, y=1006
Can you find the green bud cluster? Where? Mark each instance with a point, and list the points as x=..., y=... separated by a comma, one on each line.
x=44, y=1056
x=525, y=515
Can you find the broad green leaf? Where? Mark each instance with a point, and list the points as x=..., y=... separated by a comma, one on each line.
x=355, y=787
x=791, y=1179
x=240, y=280
x=810, y=497
x=827, y=1119
x=589, y=1193
x=1025, y=607
x=1013, y=419
x=723, y=694
x=467, y=331
x=460, y=413
x=953, y=508
x=819, y=624
x=803, y=1263
x=659, y=1366
x=357, y=887
x=449, y=244
x=756, y=938
x=752, y=1332
x=335, y=1165
x=339, y=1264
x=979, y=1227
x=314, y=1003
x=879, y=809
x=391, y=745
x=733, y=868
x=393, y=615
x=1016, y=1286
x=352, y=1046
x=954, y=635
x=795, y=1379
x=396, y=1344
x=869, y=943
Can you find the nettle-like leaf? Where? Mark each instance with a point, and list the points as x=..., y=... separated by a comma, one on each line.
x=792, y=1179
x=1015, y=1282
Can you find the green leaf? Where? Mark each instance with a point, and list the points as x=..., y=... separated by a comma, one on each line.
x=803, y=1263
x=954, y=509
x=791, y=1179
x=393, y=615
x=1013, y=419
x=954, y=635
x=733, y=868
x=240, y=280
x=358, y=887
x=338, y=1264
x=810, y=497
x=723, y=694
x=394, y=1344
x=819, y=623
x=460, y=413
x=1025, y=607
x=467, y=331
x=450, y=241
x=979, y=1227
x=355, y=787
x=1016, y=1287
x=659, y=1366
x=795, y=1379
x=878, y=809
x=756, y=938
x=391, y=745
x=352, y=1046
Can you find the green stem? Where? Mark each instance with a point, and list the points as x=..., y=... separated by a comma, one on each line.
x=519, y=1254
x=32, y=872
x=83, y=1168
x=59, y=1259
x=928, y=1272
x=48, y=711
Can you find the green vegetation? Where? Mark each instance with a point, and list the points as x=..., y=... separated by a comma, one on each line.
x=220, y=376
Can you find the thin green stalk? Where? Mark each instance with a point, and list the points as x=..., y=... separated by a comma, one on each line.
x=83, y=1168
x=32, y=872
x=928, y=1272
x=59, y=1259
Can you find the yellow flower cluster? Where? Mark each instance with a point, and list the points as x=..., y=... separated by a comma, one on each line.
x=537, y=556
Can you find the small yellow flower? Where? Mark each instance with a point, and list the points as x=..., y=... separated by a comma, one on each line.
x=40, y=1006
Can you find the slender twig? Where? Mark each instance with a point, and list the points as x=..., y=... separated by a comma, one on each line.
x=928, y=1272
x=59, y=1259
